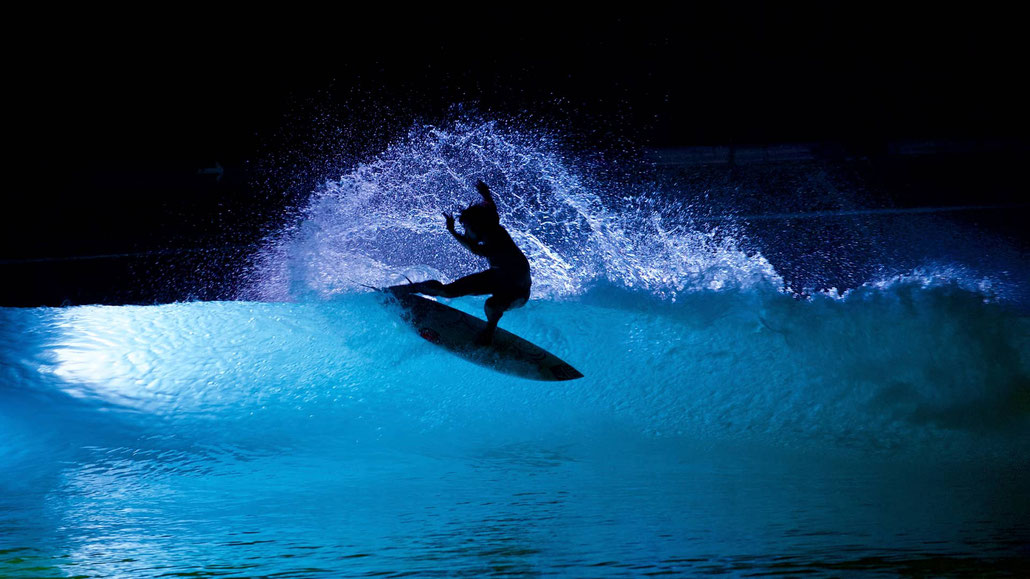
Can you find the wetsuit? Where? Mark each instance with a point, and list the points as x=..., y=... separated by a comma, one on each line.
x=507, y=281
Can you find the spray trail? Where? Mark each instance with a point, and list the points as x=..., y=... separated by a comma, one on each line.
x=382, y=219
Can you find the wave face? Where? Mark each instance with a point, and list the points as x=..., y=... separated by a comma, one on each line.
x=724, y=423
x=908, y=369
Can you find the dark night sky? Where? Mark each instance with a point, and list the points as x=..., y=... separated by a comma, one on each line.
x=105, y=107
x=200, y=85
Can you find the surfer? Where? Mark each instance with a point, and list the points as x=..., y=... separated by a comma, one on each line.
x=507, y=282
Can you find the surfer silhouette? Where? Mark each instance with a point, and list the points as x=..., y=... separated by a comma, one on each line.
x=507, y=282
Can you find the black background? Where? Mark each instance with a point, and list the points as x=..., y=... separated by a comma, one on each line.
x=190, y=85
x=112, y=115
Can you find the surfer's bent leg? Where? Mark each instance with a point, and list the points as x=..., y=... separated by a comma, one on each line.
x=429, y=288
x=477, y=284
x=494, y=308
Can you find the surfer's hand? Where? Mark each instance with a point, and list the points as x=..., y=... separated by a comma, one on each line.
x=483, y=190
x=450, y=221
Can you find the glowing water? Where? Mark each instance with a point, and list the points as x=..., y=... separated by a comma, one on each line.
x=722, y=425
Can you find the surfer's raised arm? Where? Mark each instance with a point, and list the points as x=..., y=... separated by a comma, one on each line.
x=468, y=243
x=487, y=196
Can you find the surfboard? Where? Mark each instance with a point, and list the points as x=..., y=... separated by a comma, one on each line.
x=456, y=332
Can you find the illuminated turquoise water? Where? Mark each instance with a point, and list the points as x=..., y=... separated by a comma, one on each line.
x=731, y=432
x=722, y=426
